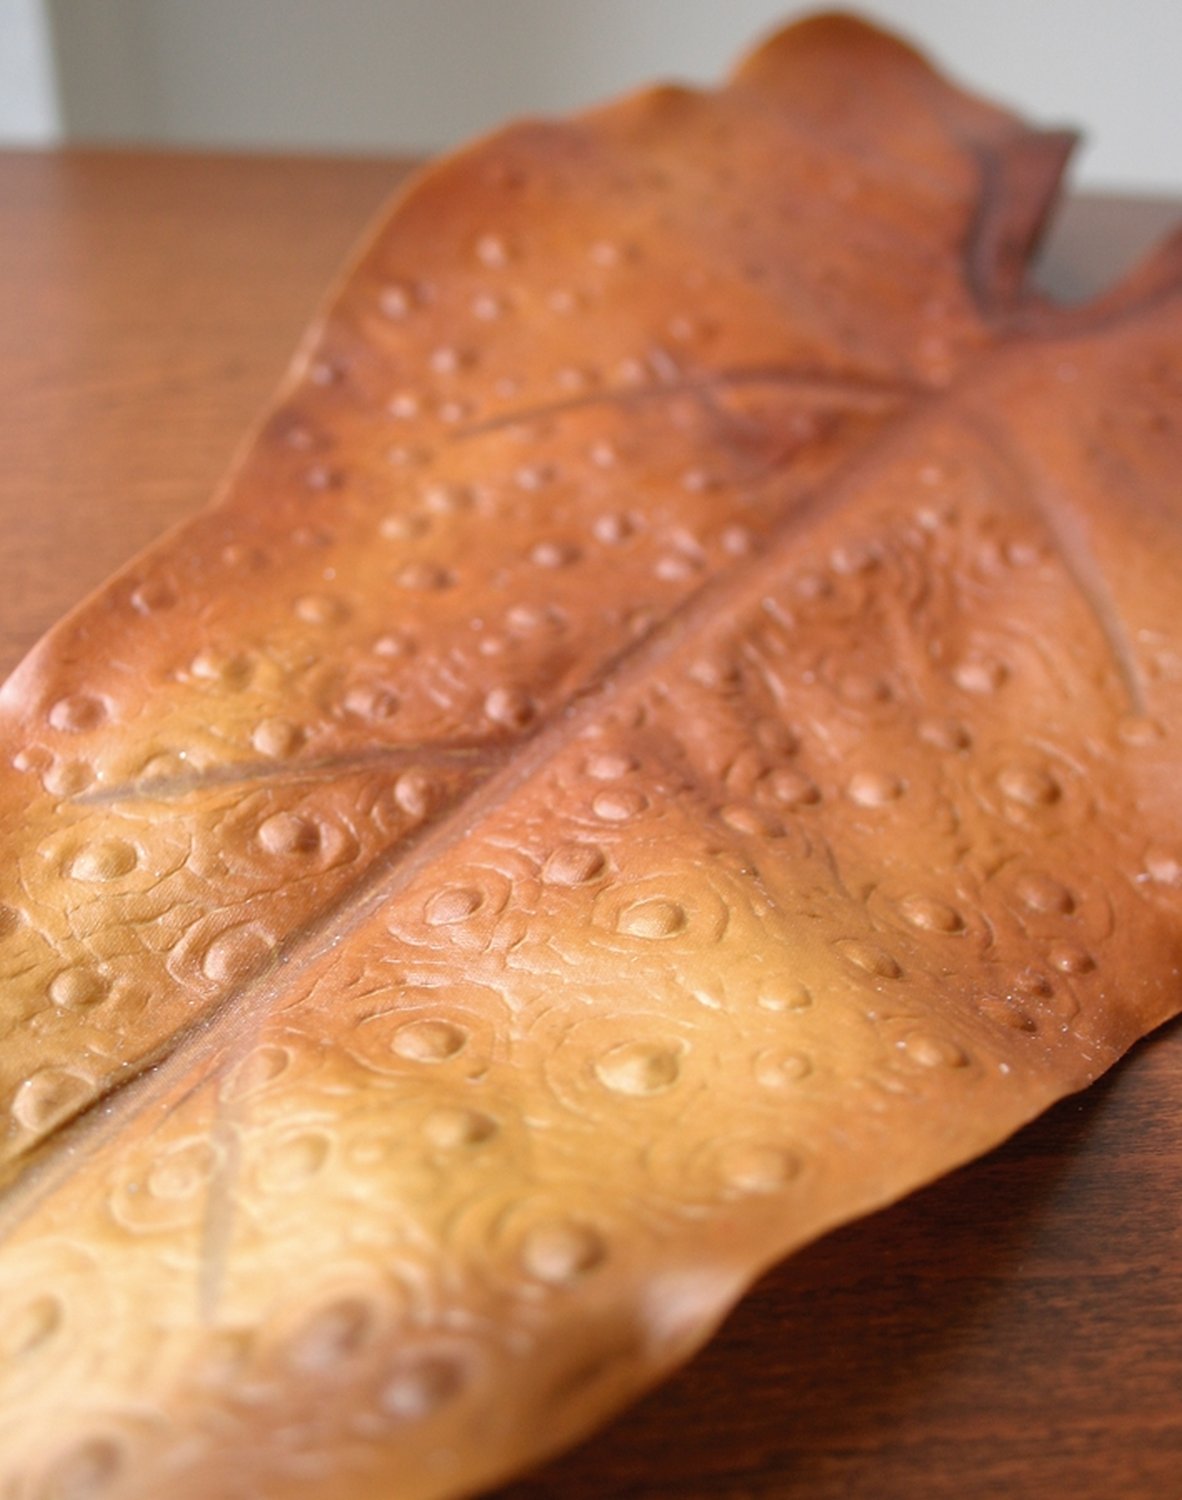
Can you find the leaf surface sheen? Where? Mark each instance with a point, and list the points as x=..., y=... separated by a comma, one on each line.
x=666, y=742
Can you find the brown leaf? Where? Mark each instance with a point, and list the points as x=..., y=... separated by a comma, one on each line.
x=664, y=744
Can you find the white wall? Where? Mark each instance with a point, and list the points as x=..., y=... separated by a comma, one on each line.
x=28, y=95
x=420, y=74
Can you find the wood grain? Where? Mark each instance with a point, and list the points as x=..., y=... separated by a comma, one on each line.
x=1012, y=1330
x=147, y=307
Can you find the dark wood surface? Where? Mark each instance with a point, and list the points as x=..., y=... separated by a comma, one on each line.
x=1015, y=1330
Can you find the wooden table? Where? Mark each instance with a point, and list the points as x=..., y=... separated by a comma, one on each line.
x=1015, y=1330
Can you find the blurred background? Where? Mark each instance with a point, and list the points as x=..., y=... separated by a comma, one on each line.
x=418, y=75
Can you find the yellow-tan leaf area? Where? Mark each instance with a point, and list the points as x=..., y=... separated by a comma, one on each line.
x=629, y=776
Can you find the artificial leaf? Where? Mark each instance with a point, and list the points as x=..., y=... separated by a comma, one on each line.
x=665, y=743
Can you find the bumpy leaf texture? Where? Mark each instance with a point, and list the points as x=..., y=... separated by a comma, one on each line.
x=667, y=741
